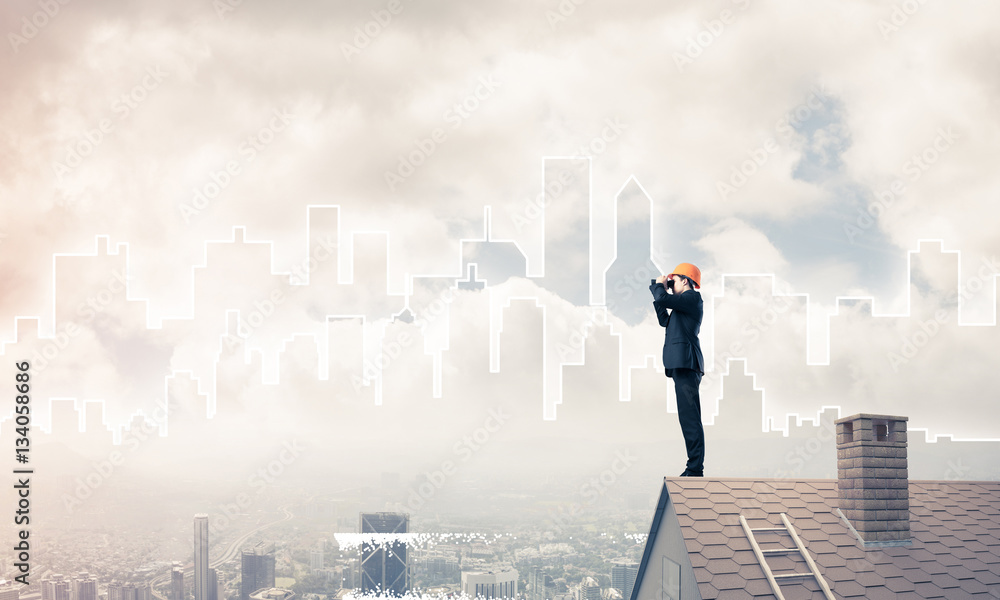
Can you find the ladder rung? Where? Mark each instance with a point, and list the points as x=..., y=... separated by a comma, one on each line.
x=792, y=575
x=780, y=550
x=770, y=529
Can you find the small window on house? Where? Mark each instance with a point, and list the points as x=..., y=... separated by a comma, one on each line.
x=670, y=587
x=881, y=432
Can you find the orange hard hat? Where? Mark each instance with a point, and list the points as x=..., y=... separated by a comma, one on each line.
x=690, y=271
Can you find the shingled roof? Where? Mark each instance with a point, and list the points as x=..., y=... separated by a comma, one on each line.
x=953, y=551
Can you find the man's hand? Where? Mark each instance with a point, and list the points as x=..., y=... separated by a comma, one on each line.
x=662, y=279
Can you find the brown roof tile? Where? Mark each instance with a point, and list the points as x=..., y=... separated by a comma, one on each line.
x=954, y=550
x=928, y=590
x=746, y=557
x=871, y=579
x=759, y=587
x=961, y=572
x=719, y=499
x=722, y=566
x=728, y=581
x=964, y=553
x=988, y=578
x=971, y=586
x=945, y=581
x=917, y=575
x=879, y=593
x=717, y=551
x=699, y=562
x=899, y=584
x=707, y=526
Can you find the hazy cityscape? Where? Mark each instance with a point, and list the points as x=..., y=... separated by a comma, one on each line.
x=302, y=542
x=496, y=495
x=304, y=301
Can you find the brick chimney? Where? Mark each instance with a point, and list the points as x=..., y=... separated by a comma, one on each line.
x=872, y=479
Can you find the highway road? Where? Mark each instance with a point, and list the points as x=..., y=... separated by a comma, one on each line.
x=231, y=551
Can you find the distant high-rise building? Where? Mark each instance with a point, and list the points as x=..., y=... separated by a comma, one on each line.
x=352, y=574
x=502, y=584
x=200, y=557
x=437, y=567
x=588, y=589
x=56, y=588
x=85, y=587
x=623, y=578
x=315, y=559
x=256, y=569
x=115, y=590
x=541, y=586
x=129, y=591
x=273, y=594
x=213, y=584
x=384, y=565
x=177, y=583
x=10, y=592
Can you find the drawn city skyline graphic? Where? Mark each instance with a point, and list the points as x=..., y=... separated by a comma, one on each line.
x=333, y=312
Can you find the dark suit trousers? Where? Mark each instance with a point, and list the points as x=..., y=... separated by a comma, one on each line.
x=686, y=382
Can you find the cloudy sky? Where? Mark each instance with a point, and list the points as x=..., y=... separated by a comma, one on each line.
x=813, y=145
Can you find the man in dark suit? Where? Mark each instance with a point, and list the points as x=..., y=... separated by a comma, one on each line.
x=680, y=313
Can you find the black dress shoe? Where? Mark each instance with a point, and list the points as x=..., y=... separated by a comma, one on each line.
x=688, y=473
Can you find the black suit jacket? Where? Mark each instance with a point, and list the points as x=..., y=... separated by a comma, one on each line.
x=681, y=348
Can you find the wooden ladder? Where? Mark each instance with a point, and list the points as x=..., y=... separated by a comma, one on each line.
x=799, y=547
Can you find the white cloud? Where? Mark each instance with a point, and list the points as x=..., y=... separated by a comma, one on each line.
x=687, y=130
x=734, y=246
